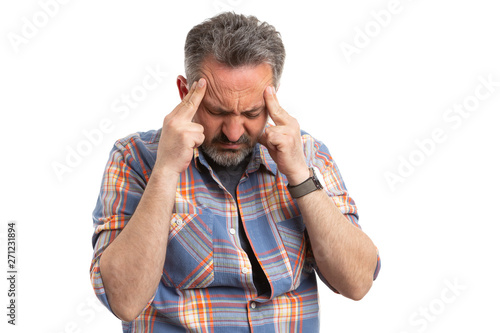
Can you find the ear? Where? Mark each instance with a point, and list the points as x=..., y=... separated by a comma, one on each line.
x=278, y=87
x=182, y=85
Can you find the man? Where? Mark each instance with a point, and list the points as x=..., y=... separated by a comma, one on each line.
x=216, y=222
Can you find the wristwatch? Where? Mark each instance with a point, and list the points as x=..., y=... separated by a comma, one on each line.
x=309, y=185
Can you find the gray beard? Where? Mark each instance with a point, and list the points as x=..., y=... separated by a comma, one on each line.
x=226, y=158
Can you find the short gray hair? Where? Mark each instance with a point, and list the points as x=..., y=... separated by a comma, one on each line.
x=233, y=40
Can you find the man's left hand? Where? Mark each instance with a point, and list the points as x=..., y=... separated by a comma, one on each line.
x=283, y=141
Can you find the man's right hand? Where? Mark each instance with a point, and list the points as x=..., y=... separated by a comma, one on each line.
x=180, y=135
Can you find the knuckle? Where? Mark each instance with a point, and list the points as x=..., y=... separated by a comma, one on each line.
x=186, y=104
x=170, y=122
x=167, y=120
x=184, y=135
x=198, y=127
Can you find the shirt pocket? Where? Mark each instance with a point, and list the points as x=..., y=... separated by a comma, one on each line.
x=189, y=258
x=292, y=234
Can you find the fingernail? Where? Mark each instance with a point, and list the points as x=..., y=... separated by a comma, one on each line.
x=201, y=83
x=269, y=90
x=193, y=85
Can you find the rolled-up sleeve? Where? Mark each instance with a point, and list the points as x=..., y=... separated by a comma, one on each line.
x=122, y=186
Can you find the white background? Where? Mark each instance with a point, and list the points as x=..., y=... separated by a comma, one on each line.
x=437, y=226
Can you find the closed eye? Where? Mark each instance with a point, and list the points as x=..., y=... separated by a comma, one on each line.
x=216, y=113
x=252, y=114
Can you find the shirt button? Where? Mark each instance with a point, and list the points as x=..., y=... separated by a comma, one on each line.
x=244, y=270
x=232, y=231
x=253, y=305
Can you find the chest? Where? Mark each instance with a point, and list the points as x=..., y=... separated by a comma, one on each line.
x=204, y=248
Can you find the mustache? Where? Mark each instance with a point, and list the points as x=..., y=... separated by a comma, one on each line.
x=222, y=138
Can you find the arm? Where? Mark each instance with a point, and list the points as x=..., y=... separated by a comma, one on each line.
x=132, y=265
x=345, y=256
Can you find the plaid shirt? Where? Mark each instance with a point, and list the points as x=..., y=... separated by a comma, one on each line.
x=207, y=283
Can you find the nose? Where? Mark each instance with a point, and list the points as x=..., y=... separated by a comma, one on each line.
x=233, y=128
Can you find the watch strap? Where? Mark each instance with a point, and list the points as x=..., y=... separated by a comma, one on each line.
x=311, y=184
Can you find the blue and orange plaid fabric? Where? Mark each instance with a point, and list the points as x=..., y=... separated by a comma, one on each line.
x=207, y=283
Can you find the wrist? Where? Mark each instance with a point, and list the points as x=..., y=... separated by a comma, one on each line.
x=164, y=175
x=299, y=177
x=309, y=185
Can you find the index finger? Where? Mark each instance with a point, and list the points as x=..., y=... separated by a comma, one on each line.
x=276, y=112
x=192, y=100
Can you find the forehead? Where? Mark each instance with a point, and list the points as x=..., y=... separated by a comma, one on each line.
x=235, y=88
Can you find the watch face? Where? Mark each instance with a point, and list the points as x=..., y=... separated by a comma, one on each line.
x=319, y=176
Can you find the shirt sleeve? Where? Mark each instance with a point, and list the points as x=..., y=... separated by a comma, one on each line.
x=318, y=155
x=122, y=186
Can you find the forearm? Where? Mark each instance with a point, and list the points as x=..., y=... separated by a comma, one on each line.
x=132, y=265
x=344, y=254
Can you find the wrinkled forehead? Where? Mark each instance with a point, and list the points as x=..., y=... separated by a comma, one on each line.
x=235, y=88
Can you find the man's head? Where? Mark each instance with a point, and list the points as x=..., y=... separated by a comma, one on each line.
x=234, y=40
x=239, y=57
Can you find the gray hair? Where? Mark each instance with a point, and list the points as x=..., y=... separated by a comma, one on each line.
x=234, y=40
